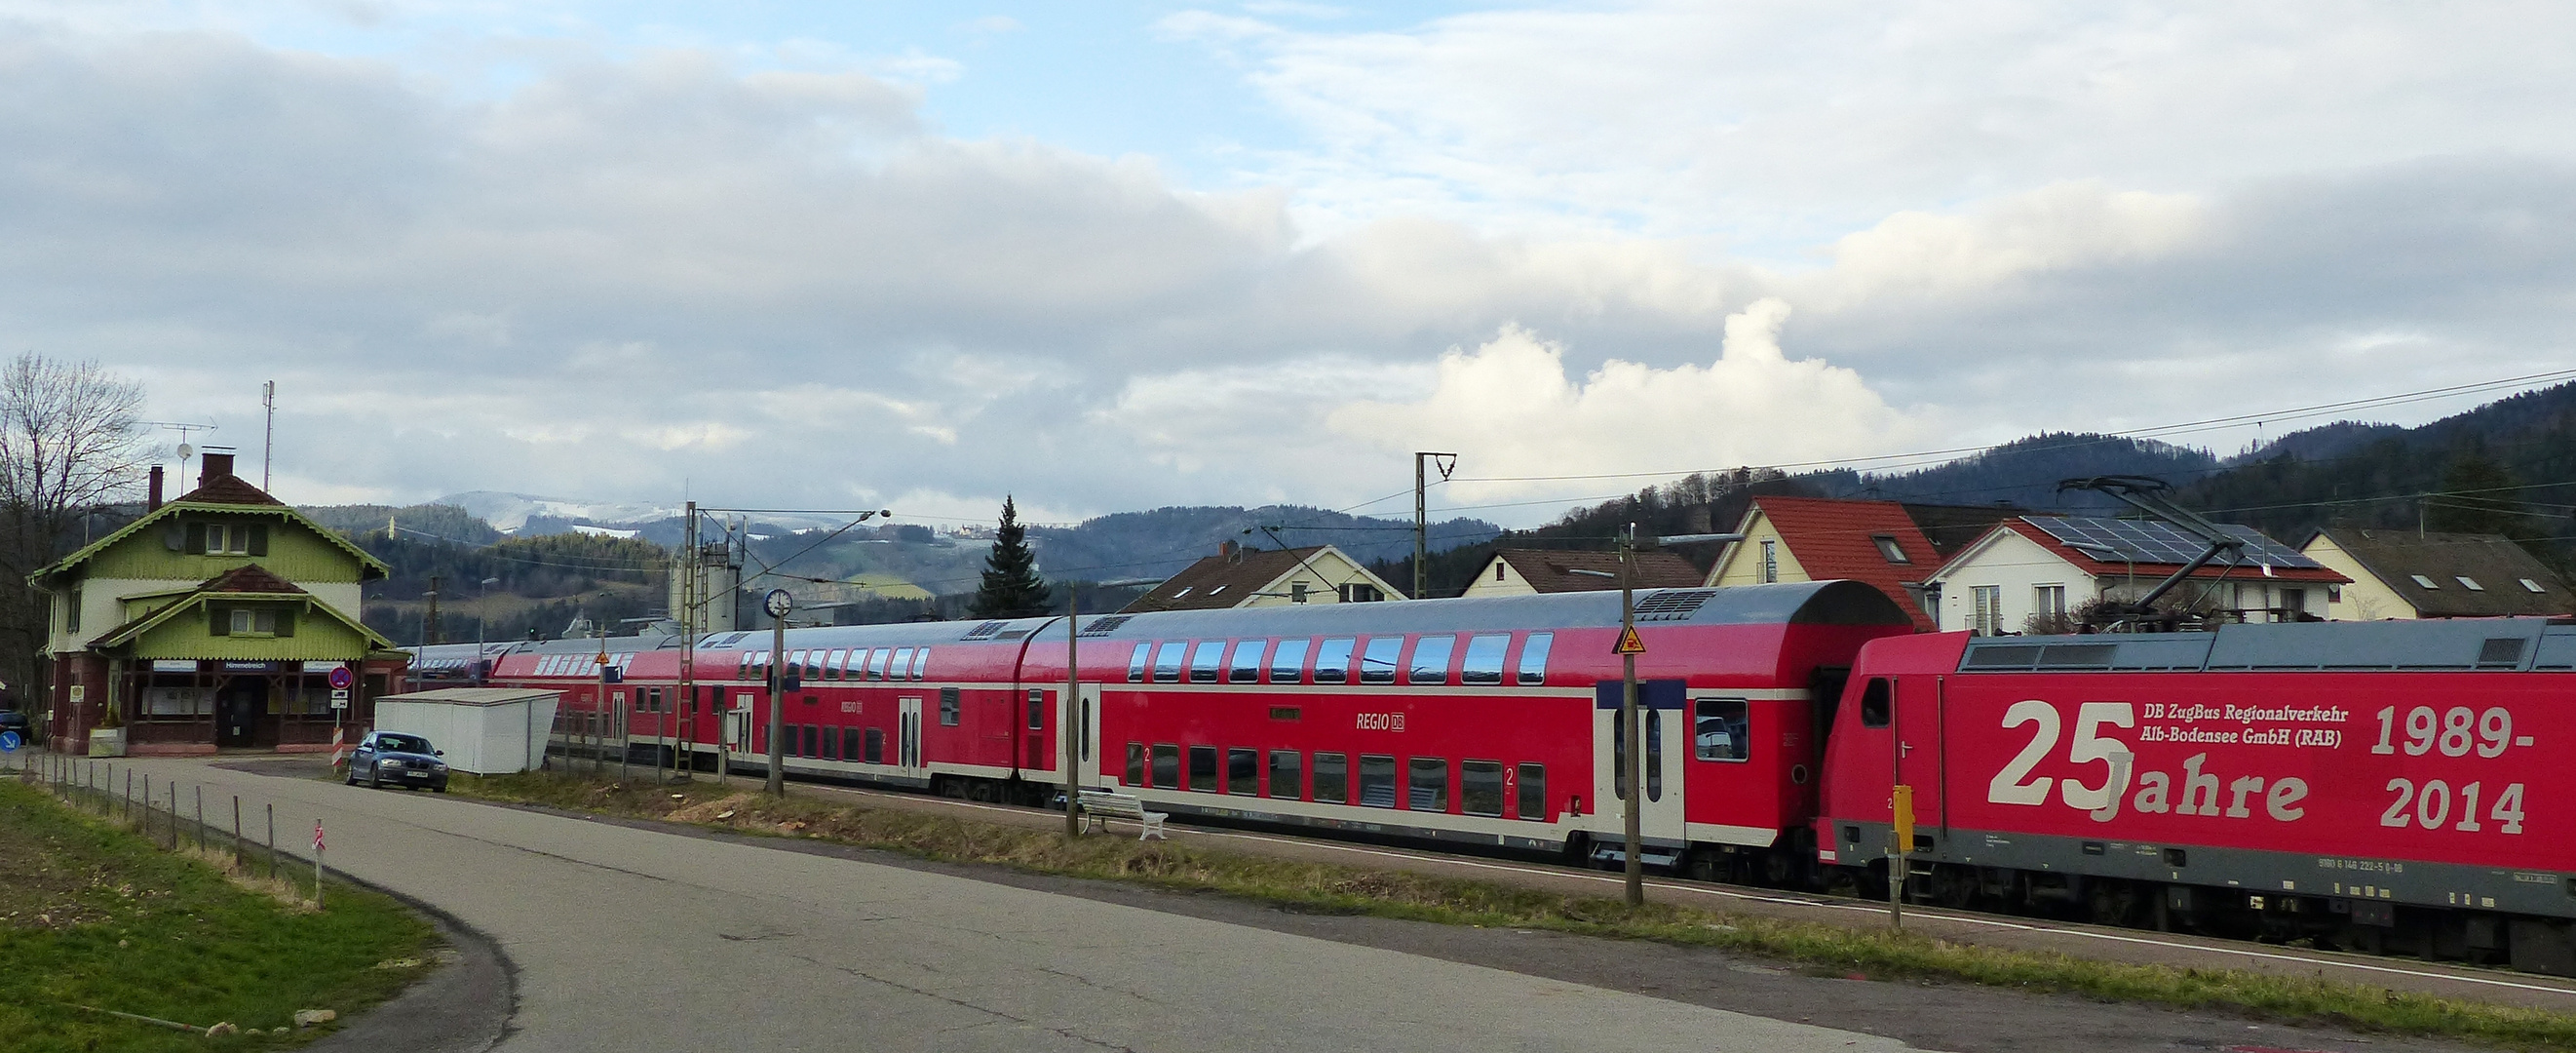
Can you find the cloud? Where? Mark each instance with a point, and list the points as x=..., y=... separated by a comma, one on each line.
x=1512, y=402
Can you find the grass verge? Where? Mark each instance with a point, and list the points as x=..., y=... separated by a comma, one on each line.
x=91, y=914
x=1328, y=888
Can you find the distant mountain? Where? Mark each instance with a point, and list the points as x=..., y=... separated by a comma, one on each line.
x=2025, y=473
x=514, y=513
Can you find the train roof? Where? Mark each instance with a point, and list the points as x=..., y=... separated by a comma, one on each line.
x=1793, y=603
x=2494, y=644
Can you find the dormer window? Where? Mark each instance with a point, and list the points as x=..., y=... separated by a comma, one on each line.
x=1888, y=547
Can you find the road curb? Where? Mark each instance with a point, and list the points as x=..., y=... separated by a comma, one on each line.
x=465, y=1006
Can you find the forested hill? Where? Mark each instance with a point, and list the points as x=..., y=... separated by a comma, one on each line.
x=2508, y=467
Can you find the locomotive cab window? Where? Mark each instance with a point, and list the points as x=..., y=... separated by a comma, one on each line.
x=1877, y=702
x=1288, y=662
x=1721, y=729
x=1533, y=667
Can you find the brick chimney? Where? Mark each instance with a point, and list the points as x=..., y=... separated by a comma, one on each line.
x=152, y=497
x=216, y=466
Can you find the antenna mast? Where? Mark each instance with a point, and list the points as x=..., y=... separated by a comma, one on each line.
x=268, y=441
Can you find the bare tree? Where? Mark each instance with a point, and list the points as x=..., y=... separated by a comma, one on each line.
x=71, y=440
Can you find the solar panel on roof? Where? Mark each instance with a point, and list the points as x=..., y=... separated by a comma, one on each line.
x=2147, y=541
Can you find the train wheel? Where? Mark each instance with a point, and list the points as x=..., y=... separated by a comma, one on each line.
x=1578, y=849
x=1954, y=887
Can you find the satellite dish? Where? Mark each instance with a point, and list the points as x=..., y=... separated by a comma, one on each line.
x=186, y=451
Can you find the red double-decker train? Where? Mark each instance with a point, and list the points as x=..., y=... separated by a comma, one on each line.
x=2376, y=785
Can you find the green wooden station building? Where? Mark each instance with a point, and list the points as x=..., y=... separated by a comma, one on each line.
x=215, y=621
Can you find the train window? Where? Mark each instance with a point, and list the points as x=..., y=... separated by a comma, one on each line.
x=877, y=664
x=1287, y=774
x=814, y=665
x=1246, y=667
x=1377, y=780
x=832, y=664
x=1135, y=764
x=1533, y=792
x=1037, y=710
x=875, y=739
x=1288, y=662
x=902, y=662
x=1430, y=663
x=1203, y=769
x=831, y=744
x=796, y=662
x=1480, y=787
x=1484, y=664
x=1720, y=729
x=920, y=662
x=1167, y=766
x=1654, y=721
x=1377, y=664
x=1167, y=662
x=1618, y=756
x=1136, y=663
x=1877, y=702
x=1333, y=660
x=1243, y=772
x=1533, y=669
x=813, y=741
x=849, y=743
x=1205, y=659
x=1427, y=780
x=950, y=710
x=1332, y=778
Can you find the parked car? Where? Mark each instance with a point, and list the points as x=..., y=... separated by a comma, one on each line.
x=408, y=761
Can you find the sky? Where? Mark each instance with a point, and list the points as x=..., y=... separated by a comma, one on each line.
x=1120, y=255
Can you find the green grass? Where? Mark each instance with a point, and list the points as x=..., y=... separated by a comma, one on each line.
x=91, y=914
x=1329, y=888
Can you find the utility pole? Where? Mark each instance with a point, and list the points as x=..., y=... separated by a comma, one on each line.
x=429, y=622
x=1446, y=462
x=688, y=713
x=777, y=603
x=1069, y=714
x=268, y=443
x=1636, y=766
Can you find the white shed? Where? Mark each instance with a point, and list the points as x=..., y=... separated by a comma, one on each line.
x=484, y=730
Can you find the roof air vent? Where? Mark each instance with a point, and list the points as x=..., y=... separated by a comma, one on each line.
x=1105, y=625
x=984, y=631
x=1672, y=605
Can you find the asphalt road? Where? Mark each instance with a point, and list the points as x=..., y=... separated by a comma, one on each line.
x=632, y=939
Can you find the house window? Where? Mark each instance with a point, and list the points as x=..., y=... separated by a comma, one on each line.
x=2527, y=583
x=72, y=604
x=1498, y=570
x=1361, y=592
x=1888, y=548
x=2049, y=600
x=2294, y=602
x=1986, y=616
x=2424, y=581
x=253, y=621
x=1297, y=592
x=1770, y=562
x=2469, y=583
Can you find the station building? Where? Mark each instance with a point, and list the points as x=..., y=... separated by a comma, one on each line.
x=214, y=621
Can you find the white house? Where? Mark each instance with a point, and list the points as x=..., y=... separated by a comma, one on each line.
x=2030, y=571
x=1249, y=577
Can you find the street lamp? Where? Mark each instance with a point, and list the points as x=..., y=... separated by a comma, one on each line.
x=1634, y=775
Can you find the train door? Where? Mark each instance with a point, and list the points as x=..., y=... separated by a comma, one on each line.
x=1087, y=723
x=908, y=735
x=1660, y=716
x=737, y=726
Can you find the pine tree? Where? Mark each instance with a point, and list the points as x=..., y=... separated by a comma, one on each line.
x=1012, y=588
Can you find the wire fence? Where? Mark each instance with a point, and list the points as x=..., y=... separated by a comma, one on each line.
x=176, y=817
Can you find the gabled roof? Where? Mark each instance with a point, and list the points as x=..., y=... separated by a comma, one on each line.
x=1834, y=538
x=2089, y=564
x=2499, y=566
x=247, y=582
x=1552, y=570
x=1232, y=577
x=1951, y=528
x=227, y=493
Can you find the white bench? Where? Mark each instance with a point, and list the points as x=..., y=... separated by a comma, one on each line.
x=1099, y=806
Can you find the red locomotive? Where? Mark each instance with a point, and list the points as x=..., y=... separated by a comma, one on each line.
x=2364, y=784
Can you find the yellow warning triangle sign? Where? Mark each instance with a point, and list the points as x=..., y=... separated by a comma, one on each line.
x=1629, y=643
